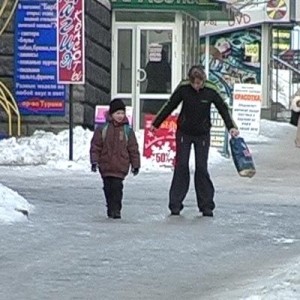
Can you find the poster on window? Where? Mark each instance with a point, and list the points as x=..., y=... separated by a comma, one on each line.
x=101, y=114
x=160, y=146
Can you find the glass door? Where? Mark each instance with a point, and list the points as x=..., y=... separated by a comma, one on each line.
x=143, y=67
x=123, y=64
x=154, y=67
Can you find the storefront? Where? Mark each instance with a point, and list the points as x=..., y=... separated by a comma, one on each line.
x=154, y=43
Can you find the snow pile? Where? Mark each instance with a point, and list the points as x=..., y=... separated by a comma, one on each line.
x=52, y=150
x=44, y=147
x=13, y=207
x=285, y=284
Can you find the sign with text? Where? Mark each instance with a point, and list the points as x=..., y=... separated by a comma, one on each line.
x=70, y=41
x=35, y=83
x=247, y=100
x=165, y=4
x=160, y=146
x=101, y=112
x=273, y=11
x=217, y=133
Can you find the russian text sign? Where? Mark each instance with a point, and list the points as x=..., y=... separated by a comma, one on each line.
x=35, y=83
x=70, y=40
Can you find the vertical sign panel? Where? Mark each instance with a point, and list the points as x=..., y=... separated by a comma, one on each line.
x=70, y=35
x=35, y=84
x=246, y=111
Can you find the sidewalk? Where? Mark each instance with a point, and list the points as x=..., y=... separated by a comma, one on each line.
x=70, y=250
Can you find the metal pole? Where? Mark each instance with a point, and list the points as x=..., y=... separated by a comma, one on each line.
x=207, y=44
x=71, y=123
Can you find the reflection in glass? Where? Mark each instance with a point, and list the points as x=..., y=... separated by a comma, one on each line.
x=156, y=53
x=150, y=106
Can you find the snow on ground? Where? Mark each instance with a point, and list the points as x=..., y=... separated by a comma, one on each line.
x=12, y=206
x=51, y=150
x=283, y=285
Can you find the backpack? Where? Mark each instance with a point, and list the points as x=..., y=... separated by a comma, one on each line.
x=126, y=127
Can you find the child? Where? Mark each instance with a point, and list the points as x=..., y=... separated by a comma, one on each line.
x=113, y=149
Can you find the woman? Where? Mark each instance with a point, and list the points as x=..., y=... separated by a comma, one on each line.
x=295, y=118
x=193, y=128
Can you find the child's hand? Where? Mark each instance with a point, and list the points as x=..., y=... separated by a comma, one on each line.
x=135, y=171
x=94, y=167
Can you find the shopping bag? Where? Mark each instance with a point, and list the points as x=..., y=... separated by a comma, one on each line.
x=242, y=157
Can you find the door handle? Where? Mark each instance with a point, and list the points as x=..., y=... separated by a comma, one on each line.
x=142, y=73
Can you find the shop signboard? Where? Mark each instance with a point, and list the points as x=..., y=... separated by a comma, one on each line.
x=166, y=4
x=35, y=80
x=278, y=11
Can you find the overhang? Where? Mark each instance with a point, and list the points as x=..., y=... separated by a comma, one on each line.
x=200, y=9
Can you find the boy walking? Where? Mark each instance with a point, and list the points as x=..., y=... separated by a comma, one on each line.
x=114, y=149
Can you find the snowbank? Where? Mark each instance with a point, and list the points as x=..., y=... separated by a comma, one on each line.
x=13, y=207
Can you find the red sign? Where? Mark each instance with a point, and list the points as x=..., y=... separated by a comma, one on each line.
x=160, y=146
x=70, y=40
x=39, y=105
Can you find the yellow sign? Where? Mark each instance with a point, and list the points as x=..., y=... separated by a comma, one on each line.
x=252, y=50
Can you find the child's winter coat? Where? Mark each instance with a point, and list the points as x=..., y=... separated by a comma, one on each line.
x=114, y=151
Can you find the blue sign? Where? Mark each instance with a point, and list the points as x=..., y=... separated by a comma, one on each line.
x=35, y=84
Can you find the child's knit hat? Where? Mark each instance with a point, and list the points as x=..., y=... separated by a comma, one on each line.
x=116, y=104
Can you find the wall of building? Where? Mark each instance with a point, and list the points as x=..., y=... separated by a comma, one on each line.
x=85, y=97
x=98, y=58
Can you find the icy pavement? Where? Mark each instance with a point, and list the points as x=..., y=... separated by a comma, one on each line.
x=69, y=250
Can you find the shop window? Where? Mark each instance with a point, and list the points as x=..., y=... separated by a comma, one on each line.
x=124, y=61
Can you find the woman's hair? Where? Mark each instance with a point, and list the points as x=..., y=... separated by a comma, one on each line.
x=196, y=71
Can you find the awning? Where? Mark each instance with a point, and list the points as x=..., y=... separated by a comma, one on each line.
x=199, y=9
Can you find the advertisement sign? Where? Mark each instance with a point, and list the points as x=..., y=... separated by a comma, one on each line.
x=155, y=52
x=247, y=100
x=35, y=83
x=272, y=11
x=234, y=57
x=281, y=40
x=70, y=41
x=160, y=146
x=217, y=133
x=166, y=4
x=101, y=112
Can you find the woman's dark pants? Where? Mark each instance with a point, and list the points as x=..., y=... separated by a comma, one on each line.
x=181, y=177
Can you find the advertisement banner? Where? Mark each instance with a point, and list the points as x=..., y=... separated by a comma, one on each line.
x=246, y=111
x=272, y=11
x=235, y=57
x=101, y=111
x=160, y=146
x=70, y=41
x=35, y=82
